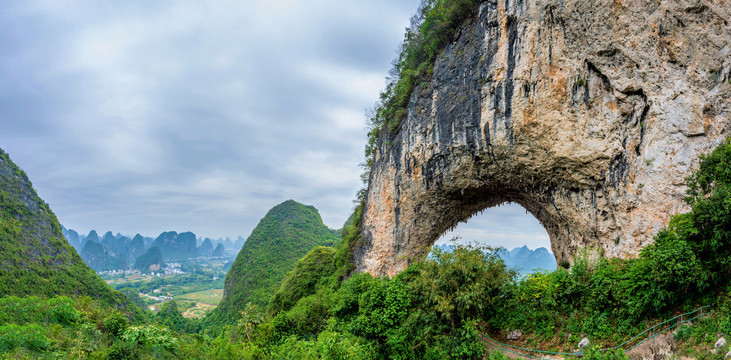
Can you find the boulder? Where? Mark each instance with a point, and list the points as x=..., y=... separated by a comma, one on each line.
x=515, y=335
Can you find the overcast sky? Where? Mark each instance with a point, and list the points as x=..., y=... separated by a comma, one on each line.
x=146, y=116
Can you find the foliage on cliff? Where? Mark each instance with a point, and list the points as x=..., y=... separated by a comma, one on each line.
x=35, y=259
x=287, y=232
x=431, y=30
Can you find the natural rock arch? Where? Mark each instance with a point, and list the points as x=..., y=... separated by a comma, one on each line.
x=589, y=114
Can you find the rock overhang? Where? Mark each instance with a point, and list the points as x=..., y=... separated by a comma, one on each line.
x=588, y=114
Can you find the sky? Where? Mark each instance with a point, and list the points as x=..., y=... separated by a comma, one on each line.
x=145, y=116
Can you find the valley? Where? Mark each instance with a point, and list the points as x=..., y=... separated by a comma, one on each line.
x=196, y=285
x=607, y=123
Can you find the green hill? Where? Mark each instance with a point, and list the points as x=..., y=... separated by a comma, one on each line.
x=283, y=236
x=35, y=259
x=151, y=260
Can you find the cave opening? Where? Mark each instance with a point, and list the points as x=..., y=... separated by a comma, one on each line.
x=522, y=241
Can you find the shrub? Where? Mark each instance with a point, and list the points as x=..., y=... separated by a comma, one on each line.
x=30, y=337
x=151, y=335
x=115, y=324
x=310, y=272
x=63, y=311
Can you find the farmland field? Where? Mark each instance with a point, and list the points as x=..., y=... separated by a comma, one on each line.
x=201, y=302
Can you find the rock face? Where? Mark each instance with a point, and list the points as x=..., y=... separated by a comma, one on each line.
x=589, y=114
x=206, y=248
x=663, y=346
x=176, y=246
x=218, y=251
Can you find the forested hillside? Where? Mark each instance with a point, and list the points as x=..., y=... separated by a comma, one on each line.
x=287, y=232
x=35, y=259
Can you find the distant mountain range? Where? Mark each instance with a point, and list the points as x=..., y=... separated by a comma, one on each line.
x=523, y=259
x=120, y=252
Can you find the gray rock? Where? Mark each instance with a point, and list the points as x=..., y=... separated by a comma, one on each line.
x=584, y=113
x=720, y=343
x=583, y=343
x=515, y=335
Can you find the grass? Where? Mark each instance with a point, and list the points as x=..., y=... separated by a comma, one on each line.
x=212, y=296
x=199, y=303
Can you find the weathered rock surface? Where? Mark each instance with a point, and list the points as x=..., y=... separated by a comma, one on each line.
x=664, y=346
x=589, y=114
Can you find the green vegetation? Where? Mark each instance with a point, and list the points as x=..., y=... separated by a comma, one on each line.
x=192, y=292
x=431, y=30
x=170, y=316
x=289, y=295
x=304, y=279
x=174, y=284
x=65, y=328
x=287, y=232
x=35, y=259
x=150, y=260
x=435, y=309
x=198, y=304
x=211, y=296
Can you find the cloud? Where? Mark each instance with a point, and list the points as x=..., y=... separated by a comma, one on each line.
x=508, y=225
x=145, y=116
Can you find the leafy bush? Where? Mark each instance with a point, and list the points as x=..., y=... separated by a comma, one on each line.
x=306, y=319
x=115, y=324
x=30, y=337
x=593, y=353
x=63, y=311
x=171, y=317
x=310, y=272
x=460, y=285
x=151, y=335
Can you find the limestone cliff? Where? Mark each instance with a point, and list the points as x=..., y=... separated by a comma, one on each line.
x=590, y=114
